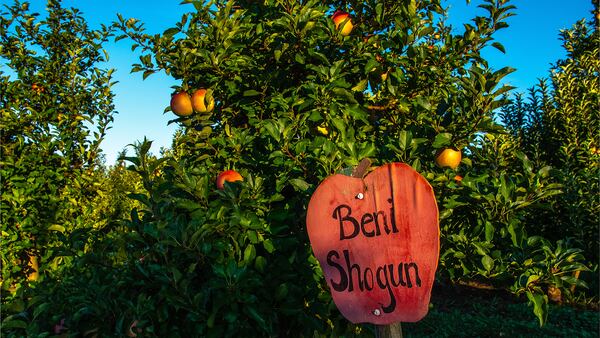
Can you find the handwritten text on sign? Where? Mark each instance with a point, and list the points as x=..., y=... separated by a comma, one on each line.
x=377, y=240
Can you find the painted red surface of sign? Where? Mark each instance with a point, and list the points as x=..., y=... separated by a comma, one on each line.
x=377, y=241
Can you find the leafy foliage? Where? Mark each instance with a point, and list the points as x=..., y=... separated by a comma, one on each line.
x=558, y=126
x=56, y=108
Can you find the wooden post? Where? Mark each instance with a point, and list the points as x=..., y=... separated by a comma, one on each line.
x=389, y=331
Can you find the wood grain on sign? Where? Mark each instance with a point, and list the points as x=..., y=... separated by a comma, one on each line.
x=377, y=241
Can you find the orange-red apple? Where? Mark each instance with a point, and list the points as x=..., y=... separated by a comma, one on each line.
x=181, y=104
x=37, y=88
x=201, y=102
x=228, y=176
x=342, y=18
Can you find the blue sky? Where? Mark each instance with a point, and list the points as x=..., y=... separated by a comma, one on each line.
x=532, y=45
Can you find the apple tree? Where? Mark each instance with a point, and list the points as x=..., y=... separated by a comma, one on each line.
x=56, y=106
x=299, y=97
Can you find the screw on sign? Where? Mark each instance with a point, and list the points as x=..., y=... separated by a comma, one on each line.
x=377, y=241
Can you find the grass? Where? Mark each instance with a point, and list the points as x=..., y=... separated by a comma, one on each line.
x=460, y=312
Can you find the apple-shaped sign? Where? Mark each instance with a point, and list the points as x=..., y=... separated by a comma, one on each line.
x=377, y=240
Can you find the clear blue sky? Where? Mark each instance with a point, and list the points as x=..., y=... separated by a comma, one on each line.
x=531, y=43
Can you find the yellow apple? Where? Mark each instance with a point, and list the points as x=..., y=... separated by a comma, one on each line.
x=342, y=18
x=181, y=104
x=449, y=157
x=33, y=264
x=201, y=102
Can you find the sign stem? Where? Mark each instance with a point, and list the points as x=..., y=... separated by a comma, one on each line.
x=361, y=168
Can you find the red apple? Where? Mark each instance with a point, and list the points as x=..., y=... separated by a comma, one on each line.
x=228, y=176
x=181, y=104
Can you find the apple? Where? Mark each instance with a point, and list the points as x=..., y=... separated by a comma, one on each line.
x=201, y=102
x=554, y=294
x=33, y=264
x=181, y=104
x=37, y=88
x=343, y=18
x=228, y=176
x=449, y=157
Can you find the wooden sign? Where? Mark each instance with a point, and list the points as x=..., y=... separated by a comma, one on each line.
x=377, y=241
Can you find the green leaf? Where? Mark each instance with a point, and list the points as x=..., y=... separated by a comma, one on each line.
x=140, y=197
x=56, y=227
x=299, y=184
x=249, y=253
x=273, y=129
x=251, y=92
x=13, y=324
x=488, y=263
x=268, y=245
x=371, y=65
x=367, y=151
x=516, y=233
x=506, y=187
x=147, y=73
x=260, y=263
x=256, y=316
x=540, y=305
x=340, y=125
x=423, y=103
x=499, y=47
x=360, y=86
x=277, y=54
x=442, y=140
x=412, y=8
x=282, y=291
x=404, y=139
x=344, y=94
x=171, y=31
x=489, y=231
x=533, y=241
x=532, y=279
